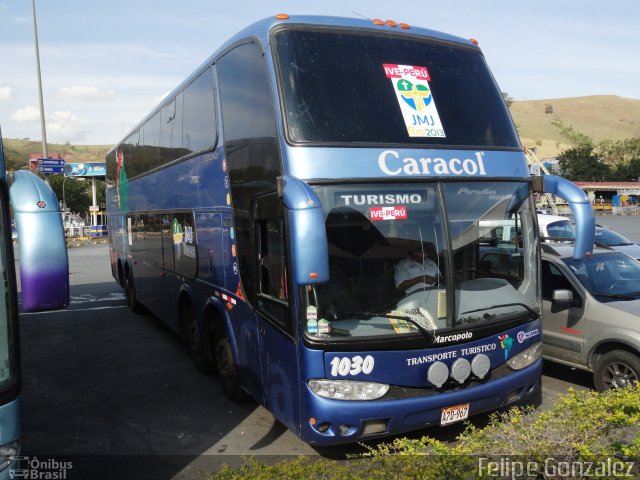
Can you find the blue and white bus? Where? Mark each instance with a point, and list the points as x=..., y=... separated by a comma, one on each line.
x=270, y=208
x=44, y=278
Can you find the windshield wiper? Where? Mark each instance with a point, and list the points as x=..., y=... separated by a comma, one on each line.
x=369, y=315
x=475, y=319
x=531, y=311
x=621, y=296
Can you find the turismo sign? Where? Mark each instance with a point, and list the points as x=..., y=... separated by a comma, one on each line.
x=85, y=170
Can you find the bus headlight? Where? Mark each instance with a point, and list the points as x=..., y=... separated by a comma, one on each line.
x=348, y=390
x=526, y=358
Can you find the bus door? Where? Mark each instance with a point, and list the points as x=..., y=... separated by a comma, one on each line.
x=153, y=288
x=276, y=329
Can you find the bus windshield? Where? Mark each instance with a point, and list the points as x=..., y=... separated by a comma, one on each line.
x=343, y=87
x=397, y=267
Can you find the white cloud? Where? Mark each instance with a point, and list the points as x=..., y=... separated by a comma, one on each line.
x=66, y=126
x=85, y=93
x=26, y=115
x=6, y=92
x=62, y=126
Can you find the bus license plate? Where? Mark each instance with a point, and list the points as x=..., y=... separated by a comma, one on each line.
x=454, y=414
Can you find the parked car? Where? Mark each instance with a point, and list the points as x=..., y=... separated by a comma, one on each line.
x=611, y=239
x=555, y=227
x=591, y=313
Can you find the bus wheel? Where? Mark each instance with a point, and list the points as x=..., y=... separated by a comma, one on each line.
x=130, y=292
x=192, y=336
x=226, y=368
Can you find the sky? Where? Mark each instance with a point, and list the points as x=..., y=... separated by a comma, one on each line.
x=106, y=64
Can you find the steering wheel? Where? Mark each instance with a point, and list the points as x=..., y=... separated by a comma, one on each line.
x=474, y=270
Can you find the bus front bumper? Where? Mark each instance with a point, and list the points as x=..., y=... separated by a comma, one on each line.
x=334, y=422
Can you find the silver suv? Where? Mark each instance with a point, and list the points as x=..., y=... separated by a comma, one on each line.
x=591, y=313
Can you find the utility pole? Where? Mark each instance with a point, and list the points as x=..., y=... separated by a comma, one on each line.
x=42, y=124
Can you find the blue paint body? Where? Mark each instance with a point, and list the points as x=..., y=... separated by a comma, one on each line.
x=196, y=232
x=44, y=265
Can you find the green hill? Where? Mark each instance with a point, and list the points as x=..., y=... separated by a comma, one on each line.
x=602, y=117
x=18, y=152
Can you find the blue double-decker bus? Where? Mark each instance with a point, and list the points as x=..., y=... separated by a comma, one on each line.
x=338, y=217
x=44, y=278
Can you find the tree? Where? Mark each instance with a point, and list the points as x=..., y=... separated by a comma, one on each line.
x=507, y=98
x=74, y=193
x=13, y=160
x=621, y=151
x=627, y=171
x=580, y=163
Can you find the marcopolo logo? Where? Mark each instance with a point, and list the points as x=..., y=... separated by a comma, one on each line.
x=391, y=164
x=522, y=336
x=453, y=338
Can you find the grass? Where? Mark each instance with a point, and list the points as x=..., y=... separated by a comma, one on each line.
x=603, y=117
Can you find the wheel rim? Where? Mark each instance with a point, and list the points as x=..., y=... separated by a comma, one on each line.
x=129, y=291
x=224, y=359
x=194, y=338
x=618, y=375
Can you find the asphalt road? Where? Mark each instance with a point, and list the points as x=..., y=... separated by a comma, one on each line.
x=117, y=392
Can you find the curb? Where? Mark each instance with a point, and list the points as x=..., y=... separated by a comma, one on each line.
x=79, y=242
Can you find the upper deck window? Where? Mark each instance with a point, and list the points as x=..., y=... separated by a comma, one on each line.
x=338, y=87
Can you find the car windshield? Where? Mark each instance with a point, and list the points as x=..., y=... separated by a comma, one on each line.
x=342, y=87
x=608, y=275
x=561, y=229
x=610, y=238
x=395, y=270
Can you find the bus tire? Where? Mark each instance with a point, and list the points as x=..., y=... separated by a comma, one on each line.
x=194, y=341
x=226, y=368
x=130, y=293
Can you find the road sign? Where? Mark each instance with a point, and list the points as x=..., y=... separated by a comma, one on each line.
x=50, y=169
x=50, y=162
x=50, y=165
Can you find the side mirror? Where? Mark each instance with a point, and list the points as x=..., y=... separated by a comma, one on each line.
x=562, y=297
x=42, y=247
x=309, y=249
